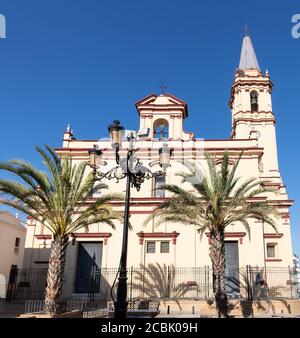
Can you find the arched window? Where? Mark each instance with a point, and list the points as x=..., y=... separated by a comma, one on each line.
x=254, y=101
x=161, y=129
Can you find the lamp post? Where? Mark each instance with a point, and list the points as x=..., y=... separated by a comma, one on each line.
x=135, y=173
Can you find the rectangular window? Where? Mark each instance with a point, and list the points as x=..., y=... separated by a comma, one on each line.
x=17, y=242
x=150, y=247
x=271, y=250
x=160, y=181
x=164, y=247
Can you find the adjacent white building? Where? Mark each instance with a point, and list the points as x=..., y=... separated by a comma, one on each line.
x=12, y=243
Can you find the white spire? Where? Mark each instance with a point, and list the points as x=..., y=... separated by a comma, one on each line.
x=248, y=57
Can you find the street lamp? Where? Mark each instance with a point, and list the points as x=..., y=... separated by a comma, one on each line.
x=135, y=173
x=115, y=133
x=164, y=157
x=94, y=154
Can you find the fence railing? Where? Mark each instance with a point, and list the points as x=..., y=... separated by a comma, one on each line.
x=88, y=307
x=26, y=284
x=165, y=282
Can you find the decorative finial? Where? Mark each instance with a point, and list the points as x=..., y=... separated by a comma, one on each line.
x=68, y=128
x=267, y=72
x=246, y=30
x=162, y=88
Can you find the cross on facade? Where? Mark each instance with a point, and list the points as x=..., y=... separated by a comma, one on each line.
x=162, y=88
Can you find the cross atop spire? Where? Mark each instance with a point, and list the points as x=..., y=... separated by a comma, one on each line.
x=248, y=58
x=246, y=30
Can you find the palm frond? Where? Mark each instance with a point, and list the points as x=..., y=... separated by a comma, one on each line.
x=58, y=197
x=218, y=200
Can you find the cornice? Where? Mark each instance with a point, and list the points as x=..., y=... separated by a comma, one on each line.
x=239, y=235
x=253, y=119
x=154, y=235
x=262, y=112
x=273, y=235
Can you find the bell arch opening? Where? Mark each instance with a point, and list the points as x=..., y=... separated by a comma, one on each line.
x=254, y=100
x=161, y=129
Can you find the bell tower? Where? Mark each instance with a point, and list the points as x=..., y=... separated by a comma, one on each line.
x=163, y=115
x=251, y=107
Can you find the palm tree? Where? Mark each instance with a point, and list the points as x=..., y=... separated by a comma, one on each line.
x=217, y=202
x=60, y=201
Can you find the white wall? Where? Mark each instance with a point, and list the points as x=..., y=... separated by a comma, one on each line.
x=10, y=228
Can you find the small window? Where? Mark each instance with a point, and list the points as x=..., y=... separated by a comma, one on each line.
x=150, y=247
x=271, y=250
x=160, y=181
x=17, y=242
x=164, y=247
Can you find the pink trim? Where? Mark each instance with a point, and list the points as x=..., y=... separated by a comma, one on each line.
x=175, y=150
x=228, y=139
x=142, y=235
x=104, y=235
x=95, y=141
x=273, y=260
x=44, y=237
x=239, y=235
x=146, y=212
x=273, y=235
x=148, y=97
x=253, y=112
x=147, y=199
x=246, y=119
x=282, y=202
x=30, y=221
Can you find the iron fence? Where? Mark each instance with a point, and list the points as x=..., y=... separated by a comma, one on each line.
x=89, y=308
x=163, y=282
x=271, y=282
x=26, y=284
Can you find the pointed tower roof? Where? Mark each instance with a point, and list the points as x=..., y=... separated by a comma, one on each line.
x=248, y=58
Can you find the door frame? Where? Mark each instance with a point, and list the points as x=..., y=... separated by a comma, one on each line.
x=78, y=243
x=237, y=267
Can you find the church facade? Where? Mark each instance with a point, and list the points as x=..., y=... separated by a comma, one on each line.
x=161, y=121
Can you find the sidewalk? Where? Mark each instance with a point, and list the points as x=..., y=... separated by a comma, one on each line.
x=189, y=315
x=14, y=309
x=11, y=309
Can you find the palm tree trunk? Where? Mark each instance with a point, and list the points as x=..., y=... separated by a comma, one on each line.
x=217, y=255
x=57, y=261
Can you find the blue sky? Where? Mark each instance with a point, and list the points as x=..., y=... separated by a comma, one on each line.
x=86, y=62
